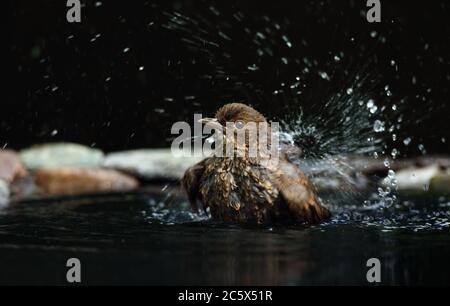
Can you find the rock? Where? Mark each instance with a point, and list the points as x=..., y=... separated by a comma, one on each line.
x=441, y=161
x=22, y=188
x=56, y=155
x=416, y=179
x=440, y=183
x=150, y=164
x=11, y=167
x=4, y=193
x=63, y=181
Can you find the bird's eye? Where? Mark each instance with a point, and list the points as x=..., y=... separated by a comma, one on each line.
x=239, y=124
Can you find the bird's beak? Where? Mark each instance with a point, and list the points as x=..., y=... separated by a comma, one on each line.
x=211, y=122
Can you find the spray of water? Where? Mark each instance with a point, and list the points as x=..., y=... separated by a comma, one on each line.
x=351, y=118
x=332, y=107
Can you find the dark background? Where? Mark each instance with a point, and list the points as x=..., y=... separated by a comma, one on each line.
x=66, y=83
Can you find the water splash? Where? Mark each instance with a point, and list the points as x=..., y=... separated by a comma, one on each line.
x=329, y=109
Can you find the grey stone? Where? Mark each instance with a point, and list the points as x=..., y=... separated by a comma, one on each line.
x=11, y=167
x=4, y=193
x=150, y=164
x=416, y=179
x=440, y=183
x=54, y=155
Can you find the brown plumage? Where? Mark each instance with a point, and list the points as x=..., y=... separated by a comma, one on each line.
x=251, y=189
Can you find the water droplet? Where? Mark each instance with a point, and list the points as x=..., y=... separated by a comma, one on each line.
x=421, y=148
x=394, y=107
x=394, y=153
x=388, y=92
x=253, y=67
x=378, y=126
x=54, y=133
x=286, y=40
x=371, y=106
x=324, y=75
x=391, y=173
x=260, y=35
x=125, y=50
x=373, y=34
x=407, y=141
x=349, y=91
x=141, y=68
x=388, y=202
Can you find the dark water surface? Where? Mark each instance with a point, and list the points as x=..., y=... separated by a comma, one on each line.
x=339, y=85
x=153, y=242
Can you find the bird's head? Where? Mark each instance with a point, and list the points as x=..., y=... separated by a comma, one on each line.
x=233, y=118
x=238, y=112
x=235, y=114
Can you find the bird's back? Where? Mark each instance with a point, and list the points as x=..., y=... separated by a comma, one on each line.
x=240, y=190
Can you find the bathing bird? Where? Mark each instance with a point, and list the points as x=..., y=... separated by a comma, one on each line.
x=250, y=189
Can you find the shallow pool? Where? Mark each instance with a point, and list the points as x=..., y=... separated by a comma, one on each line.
x=157, y=240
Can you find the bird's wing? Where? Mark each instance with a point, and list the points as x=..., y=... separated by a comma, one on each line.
x=299, y=194
x=191, y=182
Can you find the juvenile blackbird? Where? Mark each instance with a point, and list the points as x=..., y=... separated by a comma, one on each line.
x=251, y=190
